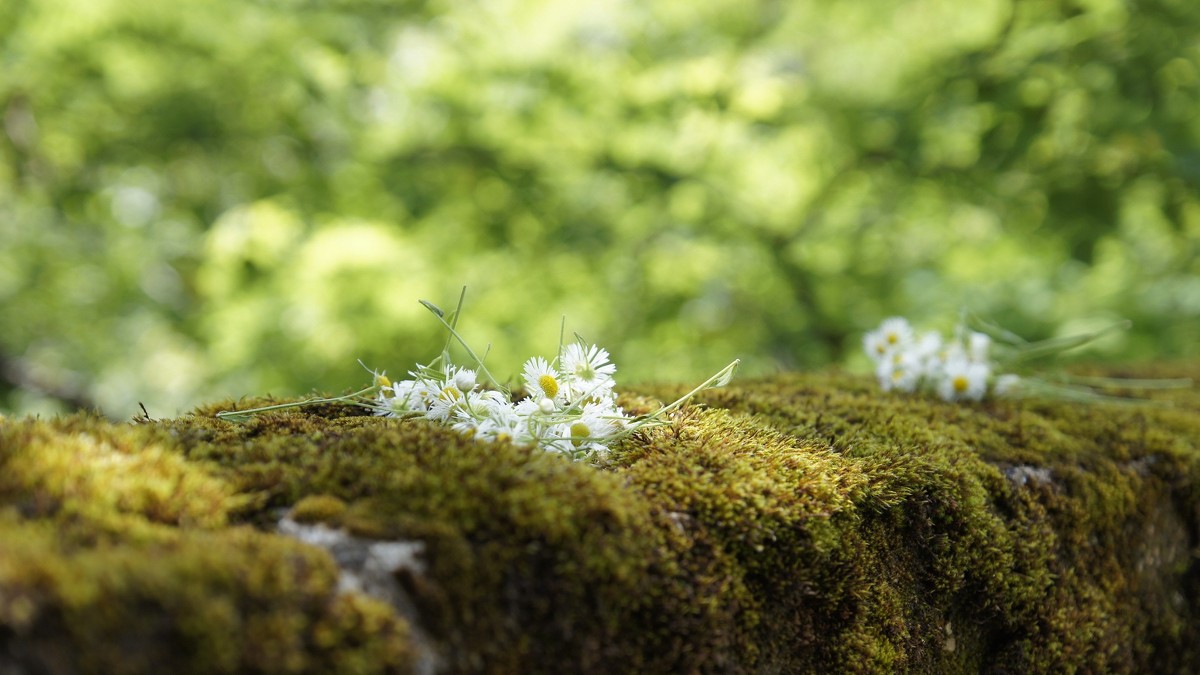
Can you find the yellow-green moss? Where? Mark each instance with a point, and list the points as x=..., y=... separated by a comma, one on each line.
x=801, y=523
x=319, y=509
x=116, y=556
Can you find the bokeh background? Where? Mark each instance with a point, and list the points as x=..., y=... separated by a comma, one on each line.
x=213, y=198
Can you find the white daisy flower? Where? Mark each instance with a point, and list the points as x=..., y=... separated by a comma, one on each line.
x=610, y=418
x=507, y=425
x=901, y=371
x=587, y=369
x=533, y=418
x=926, y=353
x=447, y=400
x=950, y=352
x=583, y=436
x=1006, y=385
x=487, y=415
x=543, y=381
x=452, y=393
x=467, y=426
x=963, y=380
x=894, y=333
x=590, y=431
x=506, y=428
x=406, y=396
x=526, y=407
x=978, y=345
x=557, y=438
x=463, y=378
x=484, y=404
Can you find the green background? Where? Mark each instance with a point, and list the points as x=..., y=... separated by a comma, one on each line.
x=219, y=198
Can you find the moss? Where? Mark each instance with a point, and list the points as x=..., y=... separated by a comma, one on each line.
x=119, y=557
x=319, y=509
x=107, y=478
x=1063, y=531
x=800, y=523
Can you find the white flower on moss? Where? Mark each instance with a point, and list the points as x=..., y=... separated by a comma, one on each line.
x=484, y=404
x=527, y=407
x=893, y=334
x=583, y=436
x=950, y=352
x=569, y=408
x=554, y=438
x=445, y=402
x=487, y=415
x=543, y=381
x=1007, y=385
x=963, y=380
x=463, y=378
x=535, y=418
x=504, y=427
x=406, y=396
x=587, y=369
x=593, y=429
x=381, y=380
x=978, y=345
x=901, y=371
x=605, y=418
x=928, y=347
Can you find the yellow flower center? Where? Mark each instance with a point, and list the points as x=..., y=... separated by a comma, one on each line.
x=549, y=385
x=892, y=338
x=451, y=394
x=579, y=431
x=961, y=383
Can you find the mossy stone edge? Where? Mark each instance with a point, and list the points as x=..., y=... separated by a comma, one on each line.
x=798, y=523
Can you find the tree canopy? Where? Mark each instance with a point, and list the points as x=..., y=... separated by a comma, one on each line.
x=219, y=198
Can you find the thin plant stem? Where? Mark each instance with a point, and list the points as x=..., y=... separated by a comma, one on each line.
x=242, y=415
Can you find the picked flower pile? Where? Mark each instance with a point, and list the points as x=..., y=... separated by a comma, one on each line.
x=957, y=369
x=570, y=406
x=964, y=367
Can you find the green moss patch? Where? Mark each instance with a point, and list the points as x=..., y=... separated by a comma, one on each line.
x=801, y=523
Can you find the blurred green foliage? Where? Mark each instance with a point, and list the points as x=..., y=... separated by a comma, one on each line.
x=201, y=199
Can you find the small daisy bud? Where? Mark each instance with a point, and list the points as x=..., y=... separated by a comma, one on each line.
x=1007, y=385
x=465, y=379
x=546, y=406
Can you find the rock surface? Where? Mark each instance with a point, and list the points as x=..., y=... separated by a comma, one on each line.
x=802, y=523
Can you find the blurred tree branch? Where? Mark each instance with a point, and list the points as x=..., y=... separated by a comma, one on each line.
x=16, y=374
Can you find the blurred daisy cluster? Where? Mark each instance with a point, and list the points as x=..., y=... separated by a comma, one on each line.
x=569, y=406
x=957, y=369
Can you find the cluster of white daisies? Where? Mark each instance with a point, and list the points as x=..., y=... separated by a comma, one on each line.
x=957, y=369
x=569, y=407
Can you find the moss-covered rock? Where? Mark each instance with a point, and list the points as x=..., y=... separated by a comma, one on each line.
x=801, y=523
